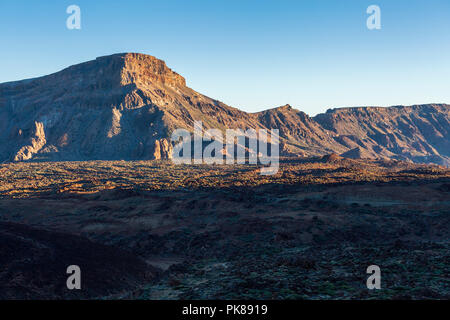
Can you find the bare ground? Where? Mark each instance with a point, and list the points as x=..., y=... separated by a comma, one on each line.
x=226, y=232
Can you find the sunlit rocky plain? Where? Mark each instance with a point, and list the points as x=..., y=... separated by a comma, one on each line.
x=155, y=230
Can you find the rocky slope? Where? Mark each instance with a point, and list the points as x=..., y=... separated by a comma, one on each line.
x=125, y=106
x=419, y=133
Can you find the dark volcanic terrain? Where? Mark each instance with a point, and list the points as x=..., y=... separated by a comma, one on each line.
x=153, y=230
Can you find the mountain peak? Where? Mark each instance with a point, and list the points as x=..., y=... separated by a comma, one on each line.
x=106, y=72
x=143, y=69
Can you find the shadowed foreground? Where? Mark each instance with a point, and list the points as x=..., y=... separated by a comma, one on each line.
x=152, y=230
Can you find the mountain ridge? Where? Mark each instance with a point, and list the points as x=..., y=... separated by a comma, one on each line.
x=125, y=106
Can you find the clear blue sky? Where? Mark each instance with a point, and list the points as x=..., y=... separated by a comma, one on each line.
x=250, y=54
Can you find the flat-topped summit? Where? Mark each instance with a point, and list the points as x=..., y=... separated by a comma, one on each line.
x=108, y=71
x=129, y=68
x=145, y=69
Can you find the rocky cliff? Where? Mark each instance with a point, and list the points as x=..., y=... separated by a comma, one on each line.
x=418, y=133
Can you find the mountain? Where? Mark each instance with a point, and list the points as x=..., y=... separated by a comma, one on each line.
x=299, y=134
x=125, y=106
x=419, y=133
x=118, y=107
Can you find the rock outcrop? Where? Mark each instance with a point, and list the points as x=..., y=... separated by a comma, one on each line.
x=34, y=144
